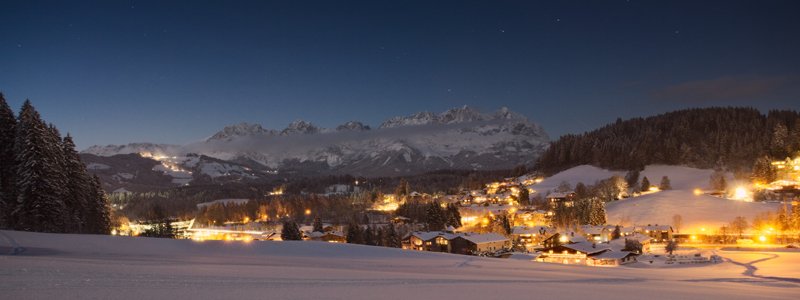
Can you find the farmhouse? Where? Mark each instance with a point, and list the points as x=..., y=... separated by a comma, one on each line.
x=472, y=243
x=566, y=198
x=436, y=241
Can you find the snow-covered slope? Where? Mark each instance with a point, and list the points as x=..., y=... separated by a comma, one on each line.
x=71, y=266
x=460, y=138
x=697, y=211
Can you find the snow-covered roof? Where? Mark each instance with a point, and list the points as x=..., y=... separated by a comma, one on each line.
x=588, y=248
x=429, y=235
x=482, y=238
x=612, y=255
x=655, y=227
x=591, y=229
x=529, y=230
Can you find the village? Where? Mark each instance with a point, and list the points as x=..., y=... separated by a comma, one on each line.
x=512, y=219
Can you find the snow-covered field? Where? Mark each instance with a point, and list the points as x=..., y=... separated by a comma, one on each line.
x=697, y=211
x=58, y=266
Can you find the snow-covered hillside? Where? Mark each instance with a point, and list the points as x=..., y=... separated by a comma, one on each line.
x=697, y=211
x=700, y=213
x=460, y=138
x=71, y=266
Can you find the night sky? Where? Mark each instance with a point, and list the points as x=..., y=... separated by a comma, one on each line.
x=177, y=71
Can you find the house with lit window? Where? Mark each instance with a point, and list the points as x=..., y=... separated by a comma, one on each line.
x=659, y=233
x=565, y=198
x=476, y=243
x=435, y=241
x=529, y=236
x=644, y=240
x=572, y=253
x=611, y=259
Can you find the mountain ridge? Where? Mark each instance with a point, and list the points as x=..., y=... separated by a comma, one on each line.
x=458, y=138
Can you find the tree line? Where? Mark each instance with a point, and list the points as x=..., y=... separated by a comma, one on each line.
x=698, y=137
x=44, y=186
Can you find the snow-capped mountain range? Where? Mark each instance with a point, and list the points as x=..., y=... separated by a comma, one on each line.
x=459, y=138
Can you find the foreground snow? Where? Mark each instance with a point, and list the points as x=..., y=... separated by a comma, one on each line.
x=82, y=267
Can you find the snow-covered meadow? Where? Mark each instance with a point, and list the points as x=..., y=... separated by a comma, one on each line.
x=62, y=266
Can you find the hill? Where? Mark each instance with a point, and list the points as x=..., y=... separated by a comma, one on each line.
x=697, y=211
x=700, y=137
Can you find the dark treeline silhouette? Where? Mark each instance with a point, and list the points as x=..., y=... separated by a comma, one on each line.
x=701, y=137
x=44, y=186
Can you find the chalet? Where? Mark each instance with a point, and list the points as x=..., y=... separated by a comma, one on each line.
x=529, y=236
x=562, y=238
x=473, y=243
x=597, y=233
x=436, y=241
x=328, y=236
x=574, y=253
x=641, y=238
x=611, y=258
x=659, y=233
x=566, y=198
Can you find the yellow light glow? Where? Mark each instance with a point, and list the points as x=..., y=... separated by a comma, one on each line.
x=703, y=229
x=762, y=238
x=654, y=189
x=694, y=237
x=563, y=239
x=246, y=220
x=740, y=193
x=308, y=211
x=698, y=192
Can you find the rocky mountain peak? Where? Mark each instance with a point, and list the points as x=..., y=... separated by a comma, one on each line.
x=241, y=129
x=353, y=126
x=300, y=127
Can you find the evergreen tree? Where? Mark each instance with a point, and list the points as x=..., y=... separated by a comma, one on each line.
x=671, y=246
x=318, y=225
x=645, y=184
x=161, y=227
x=583, y=211
x=763, y=171
x=524, y=196
x=98, y=212
x=354, y=234
x=77, y=194
x=369, y=237
x=717, y=181
x=435, y=218
x=402, y=189
x=392, y=238
x=633, y=246
x=38, y=185
x=453, y=216
x=617, y=233
x=290, y=231
x=8, y=167
x=632, y=177
x=598, y=213
x=665, y=184
x=780, y=135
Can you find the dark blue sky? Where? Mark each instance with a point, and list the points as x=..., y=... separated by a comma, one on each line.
x=177, y=71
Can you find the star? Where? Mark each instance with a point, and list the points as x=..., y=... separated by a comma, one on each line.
x=502, y=30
